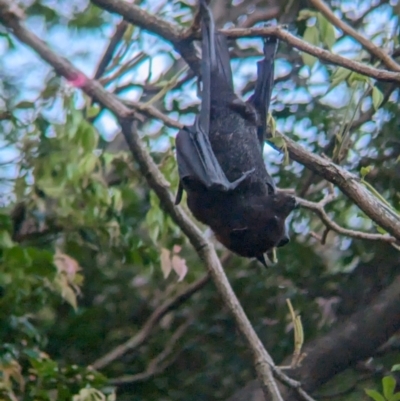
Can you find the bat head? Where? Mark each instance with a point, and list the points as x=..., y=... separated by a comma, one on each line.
x=281, y=203
x=279, y=206
x=265, y=227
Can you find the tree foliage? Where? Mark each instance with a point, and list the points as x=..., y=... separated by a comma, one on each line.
x=101, y=293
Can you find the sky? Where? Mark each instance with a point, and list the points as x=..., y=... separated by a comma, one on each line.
x=85, y=47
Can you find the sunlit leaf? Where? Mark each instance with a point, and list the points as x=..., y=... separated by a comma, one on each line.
x=88, y=163
x=365, y=170
x=388, y=384
x=377, y=97
x=5, y=239
x=327, y=31
x=305, y=14
x=375, y=395
x=340, y=75
x=355, y=77
x=311, y=35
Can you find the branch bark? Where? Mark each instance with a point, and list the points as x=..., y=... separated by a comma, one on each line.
x=343, y=346
x=9, y=16
x=181, y=40
x=347, y=29
x=143, y=335
x=347, y=182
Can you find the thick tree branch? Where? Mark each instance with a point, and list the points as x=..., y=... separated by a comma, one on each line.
x=181, y=40
x=319, y=209
x=262, y=361
x=347, y=29
x=349, y=184
x=321, y=54
x=343, y=346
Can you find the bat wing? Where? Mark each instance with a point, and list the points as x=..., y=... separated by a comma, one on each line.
x=196, y=159
x=265, y=81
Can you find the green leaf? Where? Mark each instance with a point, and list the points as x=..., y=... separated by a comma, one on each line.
x=88, y=163
x=395, y=397
x=277, y=141
x=16, y=258
x=311, y=35
x=395, y=368
x=327, y=31
x=340, y=75
x=87, y=136
x=51, y=89
x=381, y=230
x=365, y=171
x=355, y=77
x=389, y=384
x=93, y=111
x=24, y=105
x=117, y=199
x=375, y=395
x=377, y=97
x=272, y=124
x=5, y=239
x=50, y=188
x=305, y=14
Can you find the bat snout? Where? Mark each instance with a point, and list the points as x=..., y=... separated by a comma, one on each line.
x=284, y=241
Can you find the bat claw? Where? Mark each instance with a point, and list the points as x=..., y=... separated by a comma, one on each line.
x=236, y=183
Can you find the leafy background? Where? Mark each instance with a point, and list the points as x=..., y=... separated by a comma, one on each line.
x=87, y=253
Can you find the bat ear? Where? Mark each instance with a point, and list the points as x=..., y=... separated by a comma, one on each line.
x=285, y=204
x=271, y=189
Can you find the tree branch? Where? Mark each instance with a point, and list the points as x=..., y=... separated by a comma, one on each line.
x=143, y=335
x=376, y=51
x=343, y=346
x=319, y=209
x=347, y=182
x=321, y=54
x=262, y=360
x=158, y=364
x=181, y=39
x=109, y=52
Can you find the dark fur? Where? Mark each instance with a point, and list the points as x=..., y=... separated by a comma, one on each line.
x=220, y=160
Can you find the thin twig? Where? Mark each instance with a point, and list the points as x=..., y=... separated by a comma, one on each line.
x=148, y=328
x=112, y=45
x=261, y=358
x=319, y=209
x=321, y=54
x=158, y=364
x=181, y=39
x=151, y=111
x=347, y=29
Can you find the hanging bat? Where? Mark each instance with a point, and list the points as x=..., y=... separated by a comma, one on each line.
x=220, y=157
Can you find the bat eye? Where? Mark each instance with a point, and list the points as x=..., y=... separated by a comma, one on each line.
x=273, y=222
